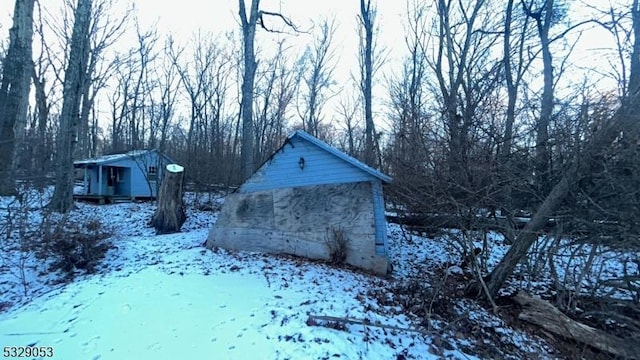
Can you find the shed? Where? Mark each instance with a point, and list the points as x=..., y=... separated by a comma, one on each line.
x=295, y=201
x=132, y=175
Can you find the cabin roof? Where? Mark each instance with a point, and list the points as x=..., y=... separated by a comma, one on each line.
x=339, y=154
x=105, y=159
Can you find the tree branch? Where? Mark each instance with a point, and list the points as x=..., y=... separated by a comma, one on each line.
x=288, y=22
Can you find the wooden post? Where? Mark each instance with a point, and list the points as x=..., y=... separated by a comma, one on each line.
x=170, y=215
x=85, y=181
x=99, y=180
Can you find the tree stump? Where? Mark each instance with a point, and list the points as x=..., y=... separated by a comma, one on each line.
x=170, y=215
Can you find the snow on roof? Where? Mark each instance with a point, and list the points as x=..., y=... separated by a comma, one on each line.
x=353, y=161
x=113, y=157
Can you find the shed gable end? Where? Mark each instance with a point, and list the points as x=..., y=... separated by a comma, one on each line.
x=301, y=163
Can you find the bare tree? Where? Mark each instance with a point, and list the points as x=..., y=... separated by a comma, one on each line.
x=75, y=75
x=205, y=79
x=319, y=64
x=44, y=86
x=515, y=66
x=462, y=67
x=197, y=83
x=221, y=119
x=276, y=87
x=248, y=21
x=347, y=110
x=367, y=20
x=408, y=93
x=168, y=78
x=131, y=96
x=104, y=31
x=544, y=18
x=145, y=55
x=14, y=89
x=611, y=132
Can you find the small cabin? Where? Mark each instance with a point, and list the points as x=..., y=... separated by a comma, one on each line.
x=300, y=198
x=128, y=176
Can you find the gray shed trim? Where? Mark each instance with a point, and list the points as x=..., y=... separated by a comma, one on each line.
x=339, y=154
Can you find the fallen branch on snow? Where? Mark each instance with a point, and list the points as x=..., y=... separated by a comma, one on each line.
x=547, y=316
x=365, y=322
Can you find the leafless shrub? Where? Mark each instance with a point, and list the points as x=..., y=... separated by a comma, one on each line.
x=337, y=241
x=75, y=246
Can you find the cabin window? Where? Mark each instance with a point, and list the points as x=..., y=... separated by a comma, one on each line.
x=152, y=173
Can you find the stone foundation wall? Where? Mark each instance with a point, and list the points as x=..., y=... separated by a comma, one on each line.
x=299, y=221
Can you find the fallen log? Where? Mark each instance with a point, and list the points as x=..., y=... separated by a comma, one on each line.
x=542, y=313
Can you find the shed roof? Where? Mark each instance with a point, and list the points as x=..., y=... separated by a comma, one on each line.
x=339, y=154
x=105, y=159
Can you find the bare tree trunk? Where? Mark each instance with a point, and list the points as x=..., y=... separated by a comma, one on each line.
x=543, y=18
x=249, y=22
x=367, y=19
x=43, y=114
x=512, y=90
x=529, y=234
x=83, y=124
x=514, y=67
x=14, y=89
x=634, y=76
x=75, y=74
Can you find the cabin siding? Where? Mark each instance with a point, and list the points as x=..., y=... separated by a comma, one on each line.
x=140, y=187
x=92, y=179
x=320, y=168
x=132, y=174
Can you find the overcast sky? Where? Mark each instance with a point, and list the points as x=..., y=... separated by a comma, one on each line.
x=184, y=17
x=180, y=18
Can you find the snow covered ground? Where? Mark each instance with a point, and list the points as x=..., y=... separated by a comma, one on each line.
x=167, y=297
